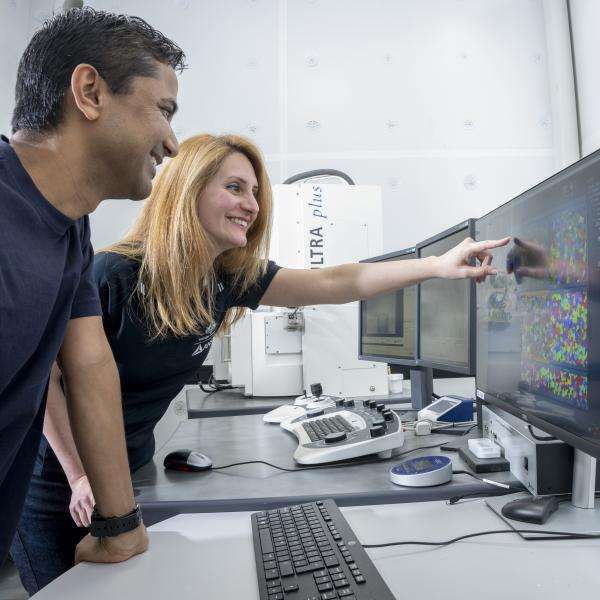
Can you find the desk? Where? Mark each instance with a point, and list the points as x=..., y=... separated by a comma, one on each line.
x=226, y=403
x=231, y=403
x=210, y=556
x=163, y=494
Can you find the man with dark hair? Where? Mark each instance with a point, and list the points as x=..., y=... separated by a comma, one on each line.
x=95, y=95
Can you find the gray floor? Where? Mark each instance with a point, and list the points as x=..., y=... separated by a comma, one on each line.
x=10, y=586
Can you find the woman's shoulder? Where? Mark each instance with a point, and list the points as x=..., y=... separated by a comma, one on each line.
x=113, y=267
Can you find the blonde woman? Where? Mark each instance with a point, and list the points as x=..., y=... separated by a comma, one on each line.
x=193, y=262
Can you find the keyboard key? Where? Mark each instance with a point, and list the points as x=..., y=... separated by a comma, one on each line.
x=331, y=561
x=286, y=569
x=328, y=596
x=293, y=587
x=309, y=567
x=324, y=587
x=271, y=574
x=300, y=563
x=278, y=596
x=265, y=541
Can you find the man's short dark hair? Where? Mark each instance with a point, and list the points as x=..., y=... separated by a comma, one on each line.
x=119, y=47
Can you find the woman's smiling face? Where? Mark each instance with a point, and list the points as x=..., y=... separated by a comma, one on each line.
x=227, y=207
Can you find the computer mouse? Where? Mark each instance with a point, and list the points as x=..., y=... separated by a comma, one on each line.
x=187, y=460
x=535, y=509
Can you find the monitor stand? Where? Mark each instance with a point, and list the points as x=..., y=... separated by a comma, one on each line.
x=580, y=515
x=421, y=386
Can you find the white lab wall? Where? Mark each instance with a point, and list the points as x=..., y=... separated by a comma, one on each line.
x=12, y=43
x=585, y=18
x=448, y=105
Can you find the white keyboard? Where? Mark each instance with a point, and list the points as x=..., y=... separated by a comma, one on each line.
x=346, y=431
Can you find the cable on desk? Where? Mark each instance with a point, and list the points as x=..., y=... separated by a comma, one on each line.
x=502, y=492
x=506, y=489
x=214, y=386
x=544, y=535
x=328, y=466
x=540, y=438
x=442, y=427
x=306, y=468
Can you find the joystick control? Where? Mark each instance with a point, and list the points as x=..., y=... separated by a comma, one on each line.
x=316, y=389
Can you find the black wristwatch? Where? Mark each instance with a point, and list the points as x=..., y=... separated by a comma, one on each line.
x=108, y=527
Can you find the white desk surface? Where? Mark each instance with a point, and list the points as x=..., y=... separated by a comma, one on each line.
x=209, y=556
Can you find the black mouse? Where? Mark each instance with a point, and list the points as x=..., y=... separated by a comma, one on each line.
x=187, y=460
x=535, y=509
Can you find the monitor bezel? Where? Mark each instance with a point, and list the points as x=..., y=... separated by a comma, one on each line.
x=469, y=370
x=407, y=362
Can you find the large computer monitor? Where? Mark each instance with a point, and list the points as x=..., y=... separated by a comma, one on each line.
x=446, y=310
x=388, y=331
x=536, y=356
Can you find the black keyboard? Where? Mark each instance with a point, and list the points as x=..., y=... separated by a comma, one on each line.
x=309, y=552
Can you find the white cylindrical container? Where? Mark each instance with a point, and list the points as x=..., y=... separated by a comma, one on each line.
x=396, y=381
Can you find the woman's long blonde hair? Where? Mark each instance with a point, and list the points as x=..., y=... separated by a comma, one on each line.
x=177, y=276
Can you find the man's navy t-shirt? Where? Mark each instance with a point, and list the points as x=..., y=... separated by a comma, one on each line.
x=152, y=372
x=46, y=279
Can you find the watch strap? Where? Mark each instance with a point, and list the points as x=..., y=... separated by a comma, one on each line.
x=112, y=526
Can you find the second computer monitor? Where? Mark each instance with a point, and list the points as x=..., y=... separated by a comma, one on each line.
x=446, y=310
x=388, y=322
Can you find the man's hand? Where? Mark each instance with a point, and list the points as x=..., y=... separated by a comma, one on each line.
x=456, y=263
x=82, y=502
x=112, y=549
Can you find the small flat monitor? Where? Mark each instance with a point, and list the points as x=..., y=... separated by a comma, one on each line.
x=446, y=310
x=388, y=322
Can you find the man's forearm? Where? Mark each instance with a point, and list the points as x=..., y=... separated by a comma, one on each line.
x=94, y=404
x=96, y=419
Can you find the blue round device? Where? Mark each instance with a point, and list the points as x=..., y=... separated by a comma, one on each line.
x=422, y=471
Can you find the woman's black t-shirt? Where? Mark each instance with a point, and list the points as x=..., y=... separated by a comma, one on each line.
x=153, y=372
